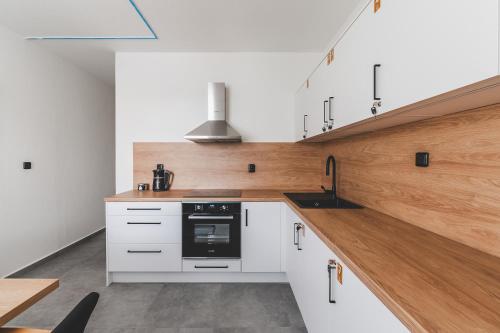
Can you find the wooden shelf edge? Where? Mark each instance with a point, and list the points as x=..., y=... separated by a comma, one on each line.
x=480, y=94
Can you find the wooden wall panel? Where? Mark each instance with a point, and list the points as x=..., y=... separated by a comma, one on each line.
x=458, y=196
x=224, y=166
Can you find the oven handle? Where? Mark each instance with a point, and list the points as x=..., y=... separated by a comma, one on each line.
x=202, y=217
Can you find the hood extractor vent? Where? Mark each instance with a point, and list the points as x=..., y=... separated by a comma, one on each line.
x=216, y=129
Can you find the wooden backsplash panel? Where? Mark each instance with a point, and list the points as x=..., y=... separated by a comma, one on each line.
x=458, y=196
x=224, y=166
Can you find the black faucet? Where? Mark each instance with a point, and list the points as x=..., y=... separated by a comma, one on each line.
x=334, y=176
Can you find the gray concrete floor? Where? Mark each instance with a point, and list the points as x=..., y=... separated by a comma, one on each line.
x=158, y=307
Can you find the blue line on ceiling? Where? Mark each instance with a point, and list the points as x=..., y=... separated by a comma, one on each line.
x=137, y=10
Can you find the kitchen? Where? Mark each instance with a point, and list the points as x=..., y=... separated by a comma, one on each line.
x=333, y=173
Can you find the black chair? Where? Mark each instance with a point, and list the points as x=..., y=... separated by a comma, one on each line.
x=78, y=318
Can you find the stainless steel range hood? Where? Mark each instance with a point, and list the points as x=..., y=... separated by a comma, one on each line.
x=216, y=129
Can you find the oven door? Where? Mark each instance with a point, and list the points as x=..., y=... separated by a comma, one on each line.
x=210, y=236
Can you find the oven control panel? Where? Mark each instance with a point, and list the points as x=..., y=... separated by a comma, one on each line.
x=212, y=208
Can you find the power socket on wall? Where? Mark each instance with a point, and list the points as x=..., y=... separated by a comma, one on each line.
x=422, y=159
x=251, y=168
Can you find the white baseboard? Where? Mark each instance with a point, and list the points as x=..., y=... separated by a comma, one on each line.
x=187, y=277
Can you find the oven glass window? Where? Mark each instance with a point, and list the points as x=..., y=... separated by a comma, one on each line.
x=211, y=233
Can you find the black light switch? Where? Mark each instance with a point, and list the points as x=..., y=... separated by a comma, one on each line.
x=251, y=168
x=26, y=165
x=422, y=159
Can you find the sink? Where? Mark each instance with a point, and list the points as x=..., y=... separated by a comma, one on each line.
x=320, y=200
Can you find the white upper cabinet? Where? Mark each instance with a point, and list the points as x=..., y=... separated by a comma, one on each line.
x=317, y=107
x=355, y=57
x=261, y=237
x=301, y=103
x=430, y=47
x=404, y=53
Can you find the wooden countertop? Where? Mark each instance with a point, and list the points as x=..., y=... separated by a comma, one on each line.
x=431, y=283
x=177, y=195
x=16, y=295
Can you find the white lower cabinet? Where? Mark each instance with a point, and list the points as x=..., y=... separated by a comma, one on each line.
x=144, y=229
x=145, y=257
x=325, y=304
x=261, y=237
x=144, y=237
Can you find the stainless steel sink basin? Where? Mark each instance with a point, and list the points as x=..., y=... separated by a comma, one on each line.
x=320, y=200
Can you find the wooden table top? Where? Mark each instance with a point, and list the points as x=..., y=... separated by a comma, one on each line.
x=431, y=283
x=17, y=295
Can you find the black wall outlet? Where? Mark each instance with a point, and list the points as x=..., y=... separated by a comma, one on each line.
x=251, y=168
x=26, y=165
x=422, y=159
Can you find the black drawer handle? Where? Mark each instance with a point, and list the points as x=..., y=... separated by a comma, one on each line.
x=221, y=267
x=144, y=223
x=152, y=251
x=139, y=209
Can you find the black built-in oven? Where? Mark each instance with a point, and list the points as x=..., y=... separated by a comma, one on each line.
x=211, y=230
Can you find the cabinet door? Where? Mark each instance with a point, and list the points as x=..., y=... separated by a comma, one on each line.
x=295, y=258
x=261, y=237
x=358, y=310
x=330, y=92
x=431, y=47
x=318, y=84
x=355, y=57
x=300, y=112
x=317, y=310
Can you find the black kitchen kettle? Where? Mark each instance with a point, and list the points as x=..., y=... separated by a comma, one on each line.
x=162, y=179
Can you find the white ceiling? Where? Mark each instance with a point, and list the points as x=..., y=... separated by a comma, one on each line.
x=181, y=25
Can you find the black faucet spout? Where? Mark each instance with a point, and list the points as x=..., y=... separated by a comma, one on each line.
x=331, y=160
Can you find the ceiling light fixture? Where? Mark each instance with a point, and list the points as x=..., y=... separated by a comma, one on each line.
x=152, y=36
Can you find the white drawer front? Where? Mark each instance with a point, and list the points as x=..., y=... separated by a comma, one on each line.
x=143, y=208
x=211, y=265
x=144, y=229
x=145, y=258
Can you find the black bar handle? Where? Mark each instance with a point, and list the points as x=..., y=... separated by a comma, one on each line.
x=246, y=217
x=144, y=223
x=331, y=265
x=330, y=115
x=198, y=267
x=375, y=97
x=295, y=233
x=143, y=208
x=305, y=130
x=153, y=251
x=324, y=111
x=325, y=122
x=298, y=228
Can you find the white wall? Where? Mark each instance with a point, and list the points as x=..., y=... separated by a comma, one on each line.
x=61, y=119
x=162, y=96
